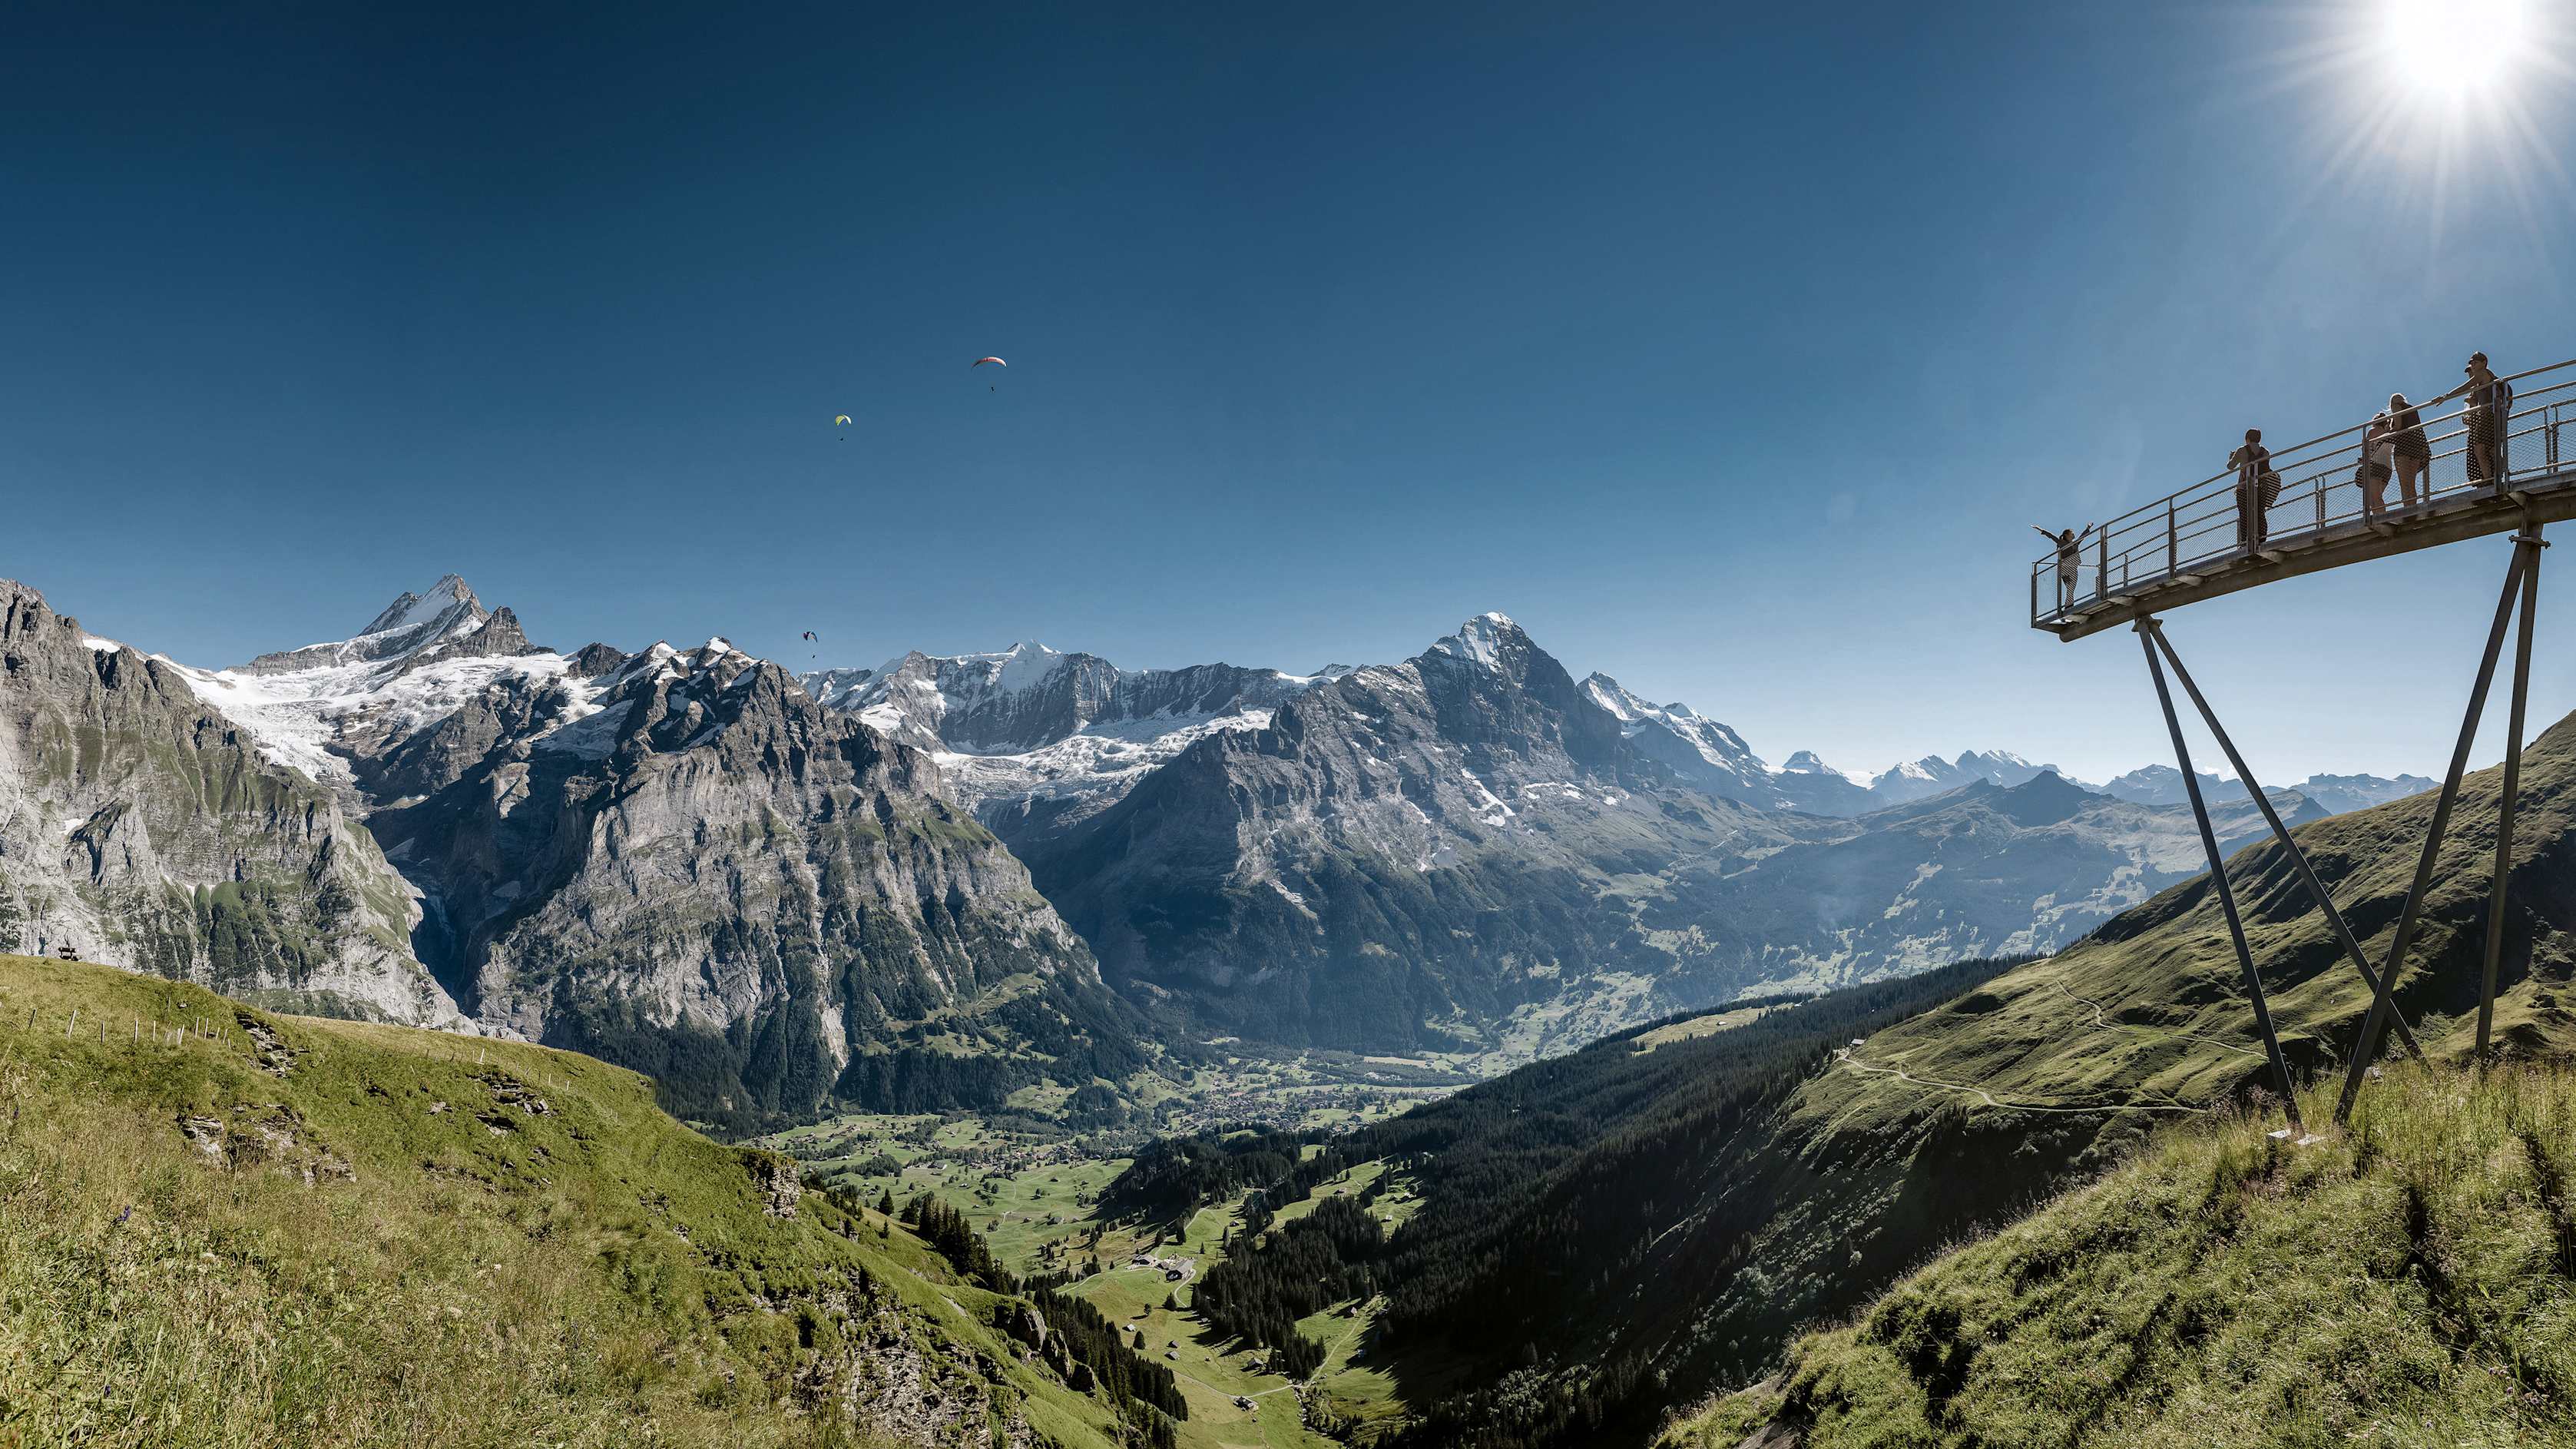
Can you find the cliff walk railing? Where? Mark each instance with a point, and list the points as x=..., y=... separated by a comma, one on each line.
x=2193, y=544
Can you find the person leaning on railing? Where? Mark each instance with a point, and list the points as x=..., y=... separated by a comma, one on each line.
x=2257, y=488
x=2378, y=456
x=2490, y=399
x=2408, y=453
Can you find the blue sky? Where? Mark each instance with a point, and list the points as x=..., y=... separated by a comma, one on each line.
x=1732, y=352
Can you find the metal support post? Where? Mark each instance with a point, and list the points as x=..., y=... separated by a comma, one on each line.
x=2365, y=1050
x=2298, y=858
x=2218, y=879
x=2527, y=546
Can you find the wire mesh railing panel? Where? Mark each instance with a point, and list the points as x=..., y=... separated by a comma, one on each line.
x=2322, y=489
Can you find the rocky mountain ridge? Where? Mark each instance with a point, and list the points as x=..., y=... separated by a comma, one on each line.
x=676, y=860
x=777, y=893
x=1033, y=740
x=1471, y=848
x=139, y=824
x=2335, y=794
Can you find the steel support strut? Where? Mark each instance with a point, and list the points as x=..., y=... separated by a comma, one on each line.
x=2527, y=545
x=2154, y=629
x=2365, y=1050
x=2218, y=879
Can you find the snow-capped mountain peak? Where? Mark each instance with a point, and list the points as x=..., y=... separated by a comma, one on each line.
x=1488, y=639
x=1932, y=774
x=1604, y=691
x=411, y=625
x=413, y=610
x=419, y=659
x=1700, y=750
x=1024, y=665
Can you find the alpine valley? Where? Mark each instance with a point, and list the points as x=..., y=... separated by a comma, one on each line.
x=1450, y=1052
x=946, y=881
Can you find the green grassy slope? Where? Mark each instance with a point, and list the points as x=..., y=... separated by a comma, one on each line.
x=1961, y=1117
x=1693, y=1254
x=2150, y=1008
x=2410, y=1283
x=411, y=1237
x=2056, y=1069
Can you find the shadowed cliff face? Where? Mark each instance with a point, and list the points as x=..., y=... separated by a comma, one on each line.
x=769, y=906
x=140, y=828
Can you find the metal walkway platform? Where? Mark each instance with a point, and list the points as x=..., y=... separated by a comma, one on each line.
x=2209, y=540
x=2185, y=547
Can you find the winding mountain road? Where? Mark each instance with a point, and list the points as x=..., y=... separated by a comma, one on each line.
x=2102, y=1019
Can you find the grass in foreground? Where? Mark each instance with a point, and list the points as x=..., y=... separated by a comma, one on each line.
x=414, y=1238
x=2410, y=1284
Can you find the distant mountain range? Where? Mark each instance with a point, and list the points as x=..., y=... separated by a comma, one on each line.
x=2334, y=794
x=1470, y=848
x=1055, y=736
x=933, y=883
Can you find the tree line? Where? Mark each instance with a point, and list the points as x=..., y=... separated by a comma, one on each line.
x=1136, y=1384
x=1321, y=1259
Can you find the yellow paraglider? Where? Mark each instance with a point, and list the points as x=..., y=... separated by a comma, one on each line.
x=842, y=420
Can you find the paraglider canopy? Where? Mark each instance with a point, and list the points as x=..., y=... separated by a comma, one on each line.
x=841, y=421
x=979, y=362
x=810, y=637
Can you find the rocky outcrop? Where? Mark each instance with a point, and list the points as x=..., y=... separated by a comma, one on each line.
x=891, y=1382
x=276, y=1139
x=774, y=1178
x=141, y=828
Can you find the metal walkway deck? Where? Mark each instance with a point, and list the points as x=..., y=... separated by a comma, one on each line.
x=2184, y=547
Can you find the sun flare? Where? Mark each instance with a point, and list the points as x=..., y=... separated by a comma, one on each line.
x=2453, y=48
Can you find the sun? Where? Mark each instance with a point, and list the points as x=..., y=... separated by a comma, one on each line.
x=2458, y=49
x=2427, y=103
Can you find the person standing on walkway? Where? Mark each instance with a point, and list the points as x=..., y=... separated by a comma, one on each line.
x=2256, y=488
x=2409, y=454
x=2070, y=557
x=2490, y=400
x=2378, y=456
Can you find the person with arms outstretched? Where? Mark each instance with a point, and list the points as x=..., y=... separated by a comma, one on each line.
x=2070, y=557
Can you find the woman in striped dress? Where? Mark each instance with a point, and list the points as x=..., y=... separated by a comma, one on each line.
x=2408, y=453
